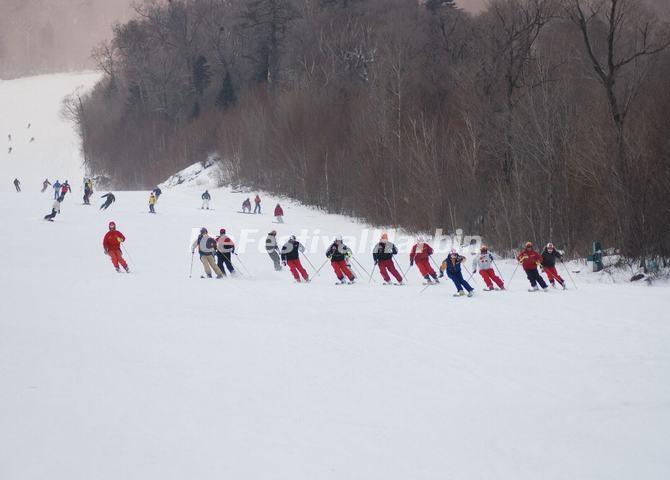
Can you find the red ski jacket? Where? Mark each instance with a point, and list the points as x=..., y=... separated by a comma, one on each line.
x=279, y=212
x=112, y=240
x=420, y=253
x=529, y=259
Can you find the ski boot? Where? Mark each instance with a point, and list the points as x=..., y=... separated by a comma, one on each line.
x=471, y=293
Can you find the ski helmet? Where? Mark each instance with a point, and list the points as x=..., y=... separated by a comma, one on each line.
x=453, y=252
x=484, y=249
x=203, y=230
x=529, y=244
x=550, y=246
x=273, y=232
x=112, y=225
x=292, y=238
x=222, y=231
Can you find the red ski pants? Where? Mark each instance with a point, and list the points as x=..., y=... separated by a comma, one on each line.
x=117, y=258
x=424, y=267
x=341, y=269
x=297, y=269
x=489, y=276
x=552, y=275
x=386, y=266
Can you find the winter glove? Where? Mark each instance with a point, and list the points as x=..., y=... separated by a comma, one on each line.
x=474, y=270
x=284, y=263
x=441, y=274
x=411, y=263
x=106, y=252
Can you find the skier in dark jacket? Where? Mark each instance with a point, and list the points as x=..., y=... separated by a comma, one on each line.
x=246, y=206
x=452, y=265
x=158, y=192
x=17, y=184
x=206, y=197
x=339, y=254
x=109, y=199
x=225, y=247
x=382, y=254
x=549, y=257
x=273, y=249
x=290, y=255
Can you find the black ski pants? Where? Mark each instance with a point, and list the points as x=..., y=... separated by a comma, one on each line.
x=224, y=259
x=534, y=277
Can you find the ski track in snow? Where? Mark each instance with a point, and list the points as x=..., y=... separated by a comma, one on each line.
x=155, y=375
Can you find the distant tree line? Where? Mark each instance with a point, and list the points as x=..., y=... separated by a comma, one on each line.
x=535, y=119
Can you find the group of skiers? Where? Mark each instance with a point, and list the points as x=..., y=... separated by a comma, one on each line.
x=246, y=205
x=221, y=247
x=10, y=148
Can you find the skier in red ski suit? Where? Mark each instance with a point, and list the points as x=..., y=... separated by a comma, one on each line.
x=420, y=254
x=112, y=245
x=530, y=260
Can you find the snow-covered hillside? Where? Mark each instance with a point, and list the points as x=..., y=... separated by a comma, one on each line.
x=155, y=375
x=37, y=101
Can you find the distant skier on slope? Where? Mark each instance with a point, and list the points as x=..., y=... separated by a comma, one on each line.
x=279, y=214
x=339, y=254
x=452, y=265
x=225, y=247
x=484, y=262
x=109, y=199
x=54, y=210
x=206, y=246
x=65, y=189
x=56, y=187
x=382, y=254
x=530, y=260
x=152, y=202
x=420, y=254
x=17, y=185
x=257, y=202
x=290, y=255
x=273, y=249
x=88, y=191
x=246, y=206
x=206, y=197
x=45, y=185
x=112, y=245
x=549, y=257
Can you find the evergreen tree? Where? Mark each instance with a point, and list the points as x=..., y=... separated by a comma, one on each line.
x=226, y=97
x=201, y=75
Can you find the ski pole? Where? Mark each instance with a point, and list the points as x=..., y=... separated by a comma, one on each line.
x=310, y=263
x=190, y=272
x=359, y=264
x=401, y=270
x=569, y=275
x=125, y=250
x=513, y=273
x=499, y=272
x=371, y=274
x=322, y=265
x=242, y=264
x=472, y=275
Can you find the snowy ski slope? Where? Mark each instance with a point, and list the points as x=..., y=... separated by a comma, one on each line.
x=154, y=375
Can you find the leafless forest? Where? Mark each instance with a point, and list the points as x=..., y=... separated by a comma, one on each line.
x=533, y=119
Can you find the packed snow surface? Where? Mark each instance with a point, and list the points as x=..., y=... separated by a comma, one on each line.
x=155, y=375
